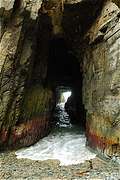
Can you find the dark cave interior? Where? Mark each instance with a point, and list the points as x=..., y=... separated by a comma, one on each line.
x=63, y=72
x=64, y=64
x=57, y=61
x=63, y=67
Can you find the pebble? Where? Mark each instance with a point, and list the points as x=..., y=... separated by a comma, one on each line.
x=18, y=169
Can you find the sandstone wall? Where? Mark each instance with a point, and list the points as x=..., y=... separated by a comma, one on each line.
x=101, y=83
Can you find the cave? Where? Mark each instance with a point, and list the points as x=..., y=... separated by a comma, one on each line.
x=50, y=47
x=63, y=72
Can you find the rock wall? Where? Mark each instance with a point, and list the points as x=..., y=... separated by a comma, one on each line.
x=101, y=82
x=25, y=105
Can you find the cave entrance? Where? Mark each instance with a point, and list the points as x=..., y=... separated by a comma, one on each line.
x=62, y=94
x=62, y=118
x=65, y=76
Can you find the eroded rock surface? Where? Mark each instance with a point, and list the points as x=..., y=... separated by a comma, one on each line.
x=101, y=82
x=19, y=102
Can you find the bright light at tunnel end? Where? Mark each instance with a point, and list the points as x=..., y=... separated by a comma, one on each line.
x=66, y=95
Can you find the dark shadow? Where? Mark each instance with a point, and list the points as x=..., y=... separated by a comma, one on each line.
x=64, y=71
x=63, y=67
x=79, y=17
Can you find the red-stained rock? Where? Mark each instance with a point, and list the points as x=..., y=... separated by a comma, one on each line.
x=26, y=133
x=100, y=82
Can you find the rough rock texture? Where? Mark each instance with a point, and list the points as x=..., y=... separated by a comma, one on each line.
x=14, y=7
x=19, y=102
x=76, y=110
x=117, y=2
x=101, y=82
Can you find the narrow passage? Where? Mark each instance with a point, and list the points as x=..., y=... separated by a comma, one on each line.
x=65, y=143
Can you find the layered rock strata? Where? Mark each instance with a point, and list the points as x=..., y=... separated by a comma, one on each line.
x=25, y=104
x=101, y=82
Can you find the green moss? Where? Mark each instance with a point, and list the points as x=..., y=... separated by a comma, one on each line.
x=36, y=101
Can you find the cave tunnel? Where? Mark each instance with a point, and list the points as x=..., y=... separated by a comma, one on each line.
x=51, y=48
x=64, y=71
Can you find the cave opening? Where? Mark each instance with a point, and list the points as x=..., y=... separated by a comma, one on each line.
x=61, y=117
x=62, y=94
x=65, y=76
x=59, y=52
